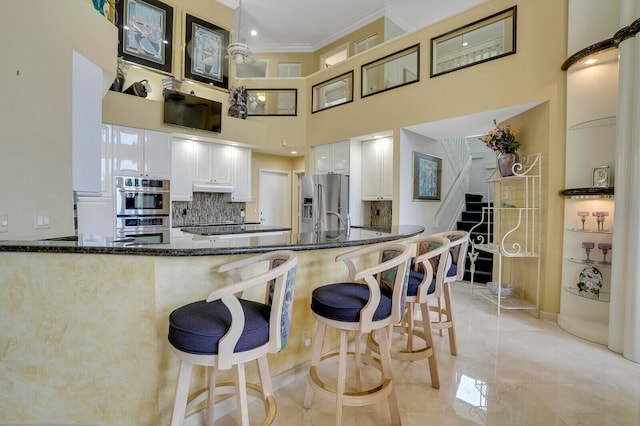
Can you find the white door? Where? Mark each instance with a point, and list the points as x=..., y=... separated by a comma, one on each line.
x=275, y=197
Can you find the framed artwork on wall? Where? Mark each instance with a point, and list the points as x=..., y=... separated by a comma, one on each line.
x=145, y=32
x=205, y=50
x=601, y=177
x=427, y=177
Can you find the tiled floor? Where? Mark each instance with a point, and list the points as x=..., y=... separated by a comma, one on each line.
x=510, y=370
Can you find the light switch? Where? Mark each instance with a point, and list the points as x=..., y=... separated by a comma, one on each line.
x=4, y=223
x=42, y=220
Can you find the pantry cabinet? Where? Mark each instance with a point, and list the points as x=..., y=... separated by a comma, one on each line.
x=241, y=175
x=141, y=153
x=181, y=170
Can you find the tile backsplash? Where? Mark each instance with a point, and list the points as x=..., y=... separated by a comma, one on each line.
x=206, y=208
x=381, y=213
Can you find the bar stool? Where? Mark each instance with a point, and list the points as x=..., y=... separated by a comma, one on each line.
x=459, y=243
x=225, y=330
x=370, y=300
x=425, y=284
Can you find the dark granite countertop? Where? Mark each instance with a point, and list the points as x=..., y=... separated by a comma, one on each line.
x=247, y=228
x=207, y=246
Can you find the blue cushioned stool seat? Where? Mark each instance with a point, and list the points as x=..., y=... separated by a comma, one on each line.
x=198, y=327
x=344, y=301
x=415, y=279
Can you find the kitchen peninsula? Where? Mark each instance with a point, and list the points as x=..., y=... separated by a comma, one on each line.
x=85, y=322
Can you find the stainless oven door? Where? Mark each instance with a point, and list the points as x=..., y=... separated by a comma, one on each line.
x=142, y=202
x=146, y=236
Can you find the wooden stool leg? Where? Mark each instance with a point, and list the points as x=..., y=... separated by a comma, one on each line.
x=342, y=375
x=315, y=360
x=265, y=382
x=358, y=360
x=428, y=338
x=210, y=416
x=385, y=359
x=452, y=329
x=241, y=395
x=182, y=394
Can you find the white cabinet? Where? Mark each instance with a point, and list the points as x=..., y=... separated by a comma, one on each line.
x=377, y=170
x=510, y=230
x=181, y=170
x=241, y=175
x=213, y=164
x=139, y=152
x=96, y=216
x=331, y=158
x=106, y=162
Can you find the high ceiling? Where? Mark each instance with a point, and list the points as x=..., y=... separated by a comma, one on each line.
x=306, y=26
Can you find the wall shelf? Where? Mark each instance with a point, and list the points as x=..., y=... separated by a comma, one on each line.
x=602, y=297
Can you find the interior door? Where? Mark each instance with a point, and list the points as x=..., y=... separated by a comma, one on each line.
x=275, y=197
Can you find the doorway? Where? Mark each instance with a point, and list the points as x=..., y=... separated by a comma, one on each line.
x=274, y=197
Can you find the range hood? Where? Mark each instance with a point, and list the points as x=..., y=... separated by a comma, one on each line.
x=208, y=187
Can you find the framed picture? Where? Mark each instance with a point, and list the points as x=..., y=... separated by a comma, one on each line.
x=489, y=38
x=204, y=54
x=601, y=177
x=333, y=92
x=145, y=32
x=395, y=70
x=427, y=177
x=272, y=101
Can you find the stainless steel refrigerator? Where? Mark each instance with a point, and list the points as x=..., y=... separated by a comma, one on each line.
x=325, y=203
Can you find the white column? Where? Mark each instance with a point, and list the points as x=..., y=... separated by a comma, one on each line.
x=624, y=312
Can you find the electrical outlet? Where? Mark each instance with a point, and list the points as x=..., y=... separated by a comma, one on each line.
x=42, y=220
x=4, y=222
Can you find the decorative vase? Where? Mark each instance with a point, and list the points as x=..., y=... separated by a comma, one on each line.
x=506, y=161
x=238, y=111
x=118, y=84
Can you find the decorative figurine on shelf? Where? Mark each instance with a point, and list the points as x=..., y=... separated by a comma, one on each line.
x=588, y=246
x=504, y=140
x=238, y=98
x=600, y=219
x=605, y=247
x=590, y=280
x=583, y=216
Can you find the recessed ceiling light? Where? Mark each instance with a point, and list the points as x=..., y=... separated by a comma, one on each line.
x=464, y=44
x=294, y=152
x=254, y=33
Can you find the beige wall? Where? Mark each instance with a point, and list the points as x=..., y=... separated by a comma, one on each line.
x=35, y=107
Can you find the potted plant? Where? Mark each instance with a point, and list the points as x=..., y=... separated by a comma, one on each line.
x=504, y=140
x=238, y=99
x=121, y=71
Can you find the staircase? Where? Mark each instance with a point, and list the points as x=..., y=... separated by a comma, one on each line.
x=470, y=218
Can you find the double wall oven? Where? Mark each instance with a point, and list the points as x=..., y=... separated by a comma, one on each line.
x=142, y=210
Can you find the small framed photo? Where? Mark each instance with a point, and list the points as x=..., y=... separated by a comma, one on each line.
x=601, y=177
x=205, y=49
x=427, y=177
x=145, y=32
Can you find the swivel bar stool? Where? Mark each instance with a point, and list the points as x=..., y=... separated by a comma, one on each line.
x=371, y=299
x=425, y=284
x=459, y=243
x=225, y=331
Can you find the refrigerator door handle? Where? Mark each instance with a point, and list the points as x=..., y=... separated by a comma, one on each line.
x=317, y=226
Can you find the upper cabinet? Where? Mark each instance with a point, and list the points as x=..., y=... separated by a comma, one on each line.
x=331, y=158
x=138, y=152
x=377, y=170
x=241, y=175
x=213, y=164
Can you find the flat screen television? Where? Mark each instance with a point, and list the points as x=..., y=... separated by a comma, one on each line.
x=184, y=110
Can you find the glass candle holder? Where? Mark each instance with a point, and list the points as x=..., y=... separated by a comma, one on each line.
x=605, y=247
x=583, y=217
x=588, y=246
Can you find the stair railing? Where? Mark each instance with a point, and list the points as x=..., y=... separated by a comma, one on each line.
x=459, y=156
